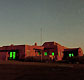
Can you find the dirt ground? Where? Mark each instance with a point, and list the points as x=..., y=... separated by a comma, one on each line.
x=40, y=71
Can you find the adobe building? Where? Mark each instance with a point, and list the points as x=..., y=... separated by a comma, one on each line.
x=72, y=52
x=33, y=50
x=59, y=52
x=19, y=52
x=53, y=50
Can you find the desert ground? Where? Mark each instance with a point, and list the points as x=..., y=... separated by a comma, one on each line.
x=15, y=70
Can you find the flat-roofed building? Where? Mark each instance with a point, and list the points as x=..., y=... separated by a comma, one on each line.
x=49, y=50
x=19, y=52
x=72, y=52
x=53, y=50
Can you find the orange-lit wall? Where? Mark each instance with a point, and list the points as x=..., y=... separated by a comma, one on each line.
x=25, y=51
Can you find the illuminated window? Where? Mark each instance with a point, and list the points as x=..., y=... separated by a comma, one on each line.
x=10, y=55
x=72, y=54
x=39, y=53
x=69, y=55
x=52, y=53
x=45, y=53
x=14, y=53
x=59, y=53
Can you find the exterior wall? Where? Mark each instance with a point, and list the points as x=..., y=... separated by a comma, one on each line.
x=23, y=51
x=27, y=51
x=32, y=50
x=50, y=47
x=6, y=50
x=76, y=52
x=4, y=55
x=60, y=50
x=80, y=52
x=49, y=51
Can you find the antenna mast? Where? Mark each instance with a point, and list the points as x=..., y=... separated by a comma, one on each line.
x=41, y=35
x=41, y=44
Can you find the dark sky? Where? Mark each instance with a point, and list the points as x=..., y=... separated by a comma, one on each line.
x=61, y=21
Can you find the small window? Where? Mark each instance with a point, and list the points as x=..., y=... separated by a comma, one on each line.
x=52, y=53
x=39, y=53
x=45, y=53
x=59, y=53
x=10, y=55
x=14, y=53
x=70, y=55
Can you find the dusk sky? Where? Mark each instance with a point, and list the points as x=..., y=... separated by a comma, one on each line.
x=62, y=21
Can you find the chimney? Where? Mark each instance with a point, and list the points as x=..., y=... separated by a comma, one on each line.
x=35, y=44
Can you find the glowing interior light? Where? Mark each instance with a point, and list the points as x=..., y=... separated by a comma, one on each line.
x=52, y=53
x=14, y=53
x=59, y=53
x=45, y=53
x=10, y=54
x=39, y=53
x=69, y=55
x=72, y=54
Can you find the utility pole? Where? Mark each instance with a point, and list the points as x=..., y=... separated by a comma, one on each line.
x=41, y=44
x=41, y=35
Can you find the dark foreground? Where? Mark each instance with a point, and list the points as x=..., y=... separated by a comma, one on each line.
x=40, y=71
